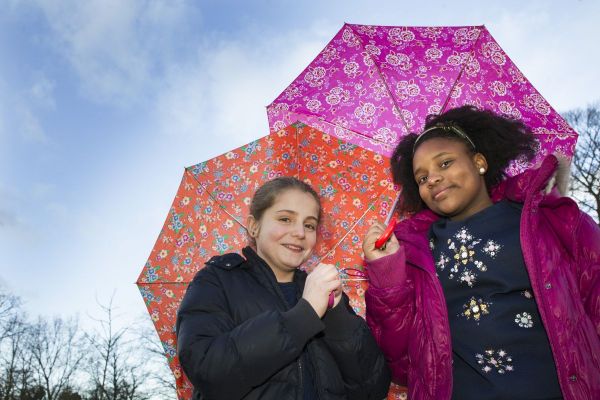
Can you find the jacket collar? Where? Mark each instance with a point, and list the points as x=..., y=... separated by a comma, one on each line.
x=261, y=271
x=530, y=182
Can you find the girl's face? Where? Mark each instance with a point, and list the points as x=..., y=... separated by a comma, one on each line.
x=287, y=232
x=449, y=178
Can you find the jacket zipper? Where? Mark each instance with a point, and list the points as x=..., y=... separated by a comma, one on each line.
x=287, y=307
x=301, y=374
x=317, y=383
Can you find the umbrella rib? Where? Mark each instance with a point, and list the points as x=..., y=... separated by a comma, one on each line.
x=362, y=135
x=370, y=207
x=464, y=66
x=298, y=151
x=212, y=197
x=384, y=82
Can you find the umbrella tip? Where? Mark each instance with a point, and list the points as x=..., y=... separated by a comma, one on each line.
x=298, y=124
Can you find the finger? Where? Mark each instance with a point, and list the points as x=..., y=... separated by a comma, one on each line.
x=331, y=286
x=328, y=271
x=376, y=227
x=386, y=234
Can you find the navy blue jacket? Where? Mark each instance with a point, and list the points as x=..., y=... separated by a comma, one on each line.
x=238, y=338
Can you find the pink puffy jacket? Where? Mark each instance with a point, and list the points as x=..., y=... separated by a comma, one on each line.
x=407, y=313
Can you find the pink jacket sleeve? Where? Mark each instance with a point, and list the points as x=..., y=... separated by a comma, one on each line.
x=390, y=309
x=587, y=241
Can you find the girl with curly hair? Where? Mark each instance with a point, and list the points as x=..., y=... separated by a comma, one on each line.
x=490, y=288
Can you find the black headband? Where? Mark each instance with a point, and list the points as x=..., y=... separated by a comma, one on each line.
x=447, y=127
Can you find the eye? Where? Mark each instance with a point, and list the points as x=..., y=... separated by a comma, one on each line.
x=421, y=180
x=284, y=219
x=446, y=164
x=310, y=227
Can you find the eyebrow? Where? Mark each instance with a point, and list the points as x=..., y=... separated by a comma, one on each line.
x=295, y=213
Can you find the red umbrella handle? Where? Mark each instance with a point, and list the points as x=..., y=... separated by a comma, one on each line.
x=385, y=236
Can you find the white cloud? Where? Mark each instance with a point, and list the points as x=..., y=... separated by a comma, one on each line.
x=31, y=128
x=7, y=219
x=222, y=94
x=554, y=53
x=3, y=129
x=116, y=47
x=42, y=92
x=104, y=241
x=24, y=118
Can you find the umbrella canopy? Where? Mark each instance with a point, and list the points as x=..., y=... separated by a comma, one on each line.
x=371, y=85
x=210, y=208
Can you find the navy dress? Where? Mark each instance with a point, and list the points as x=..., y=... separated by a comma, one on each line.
x=500, y=347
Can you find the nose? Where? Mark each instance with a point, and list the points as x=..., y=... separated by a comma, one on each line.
x=299, y=230
x=432, y=179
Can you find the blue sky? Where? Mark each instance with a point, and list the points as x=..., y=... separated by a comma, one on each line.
x=103, y=103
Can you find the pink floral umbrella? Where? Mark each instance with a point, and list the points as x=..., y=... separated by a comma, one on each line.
x=371, y=85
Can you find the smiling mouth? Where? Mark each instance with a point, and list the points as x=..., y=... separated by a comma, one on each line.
x=442, y=192
x=293, y=248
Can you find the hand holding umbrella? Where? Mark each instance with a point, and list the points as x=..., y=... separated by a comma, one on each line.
x=323, y=283
x=375, y=232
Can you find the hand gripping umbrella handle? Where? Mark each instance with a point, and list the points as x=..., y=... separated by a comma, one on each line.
x=385, y=236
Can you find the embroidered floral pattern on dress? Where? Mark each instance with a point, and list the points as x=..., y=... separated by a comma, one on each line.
x=491, y=248
x=524, y=320
x=442, y=262
x=527, y=294
x=475, y=308
x=468, y=277
x=495, y=360
x=465, y=257
x=463, y=235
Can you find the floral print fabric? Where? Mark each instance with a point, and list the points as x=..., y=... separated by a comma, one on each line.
x=209, y=210
x=371, y=85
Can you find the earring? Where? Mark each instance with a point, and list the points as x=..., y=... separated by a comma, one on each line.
x=481, y=171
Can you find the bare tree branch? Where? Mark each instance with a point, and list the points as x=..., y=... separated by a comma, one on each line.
x=585, y=170
x=56, y=353
x=115, y=366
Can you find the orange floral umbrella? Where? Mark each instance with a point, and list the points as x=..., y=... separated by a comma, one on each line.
x=208, y=214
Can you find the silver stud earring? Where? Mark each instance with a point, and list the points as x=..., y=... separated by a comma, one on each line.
x=481, y=171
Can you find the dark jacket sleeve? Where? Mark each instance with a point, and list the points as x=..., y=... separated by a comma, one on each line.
x=360, y=360
x=390, y=302
x=224, y=360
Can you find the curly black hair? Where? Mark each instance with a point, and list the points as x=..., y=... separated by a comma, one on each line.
x=500, y=140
